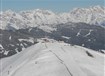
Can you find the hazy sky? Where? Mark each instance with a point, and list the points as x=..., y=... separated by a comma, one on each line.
x=54, y=5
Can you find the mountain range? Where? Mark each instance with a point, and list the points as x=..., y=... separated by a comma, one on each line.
x=81, y=26
x=33, y=18
x=43, y=43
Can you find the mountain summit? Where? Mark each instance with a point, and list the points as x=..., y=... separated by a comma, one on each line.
x=32, y=18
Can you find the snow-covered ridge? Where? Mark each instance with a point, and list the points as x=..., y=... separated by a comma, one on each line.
x=54, y=59
x=32, y=18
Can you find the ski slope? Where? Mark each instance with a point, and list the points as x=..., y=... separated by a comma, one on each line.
x=54, y=59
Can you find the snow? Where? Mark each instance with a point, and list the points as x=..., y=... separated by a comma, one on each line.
x=46, y=28
x=53, y=59
x=79, y=33
x=34, y=18
x=6, y=52
x=17, y=50
x=89, y=39
x=1, y=46
x=66, y=37
x=88, y=33
x=10, y=38
x=12, y=45
x=29, y=29
x=28, y=40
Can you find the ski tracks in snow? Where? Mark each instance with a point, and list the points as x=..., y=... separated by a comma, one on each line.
x=60, y=51
x=68, y=61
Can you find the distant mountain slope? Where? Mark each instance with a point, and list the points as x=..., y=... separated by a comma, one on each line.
x=32, y=18
x=82, y=34
x=54, y=59
x=12, y=42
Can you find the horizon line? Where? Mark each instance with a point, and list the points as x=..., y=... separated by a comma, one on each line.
x=51, y=9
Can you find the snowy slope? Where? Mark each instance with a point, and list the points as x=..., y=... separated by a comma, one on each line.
x=33, y=18
x=54, y=59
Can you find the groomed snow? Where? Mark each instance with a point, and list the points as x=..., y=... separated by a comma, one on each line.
x=54, y=59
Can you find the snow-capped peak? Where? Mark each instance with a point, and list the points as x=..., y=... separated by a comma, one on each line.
x=92, y=10
x=98, y=7
x=32, y=18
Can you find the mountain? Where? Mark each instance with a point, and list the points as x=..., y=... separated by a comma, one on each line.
x=81, y=26
x=53, y=58
x=36, y=18
x=82, y=34
x=43, y=43
x=12, y=42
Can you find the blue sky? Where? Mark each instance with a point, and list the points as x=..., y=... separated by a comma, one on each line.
x=54, y=5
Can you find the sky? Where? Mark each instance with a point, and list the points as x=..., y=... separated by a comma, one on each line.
x=54, y=5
